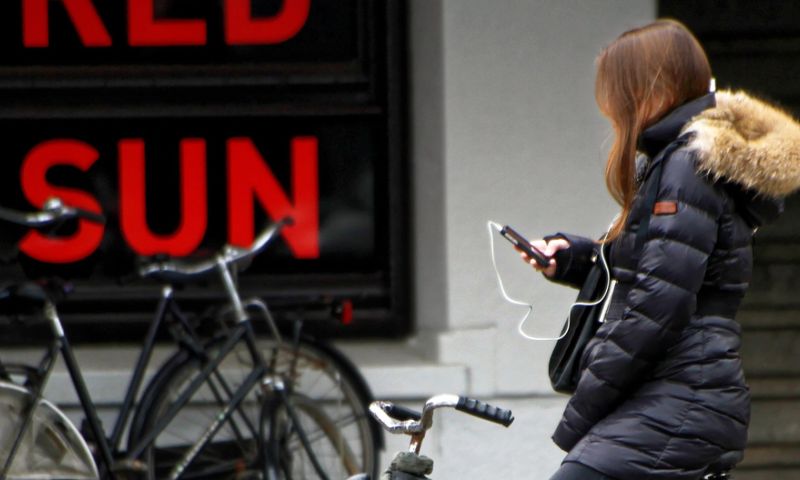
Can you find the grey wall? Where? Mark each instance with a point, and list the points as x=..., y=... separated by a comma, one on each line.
x=504, y=127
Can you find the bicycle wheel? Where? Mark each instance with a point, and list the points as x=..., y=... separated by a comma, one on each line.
x=324, y=387
x=51, y=448
x=330, y=402
x=331, y=450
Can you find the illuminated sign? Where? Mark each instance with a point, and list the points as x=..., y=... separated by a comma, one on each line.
x=181, y=33
x=145, y=30
x=174, y=186
x=249, y=179
x=194, y=123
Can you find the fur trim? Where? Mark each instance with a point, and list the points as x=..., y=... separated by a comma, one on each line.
x=748, y=142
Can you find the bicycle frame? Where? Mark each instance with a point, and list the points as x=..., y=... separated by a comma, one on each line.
x=108, y=449
x=243, y=331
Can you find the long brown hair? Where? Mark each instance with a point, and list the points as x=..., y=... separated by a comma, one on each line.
x=641, y=76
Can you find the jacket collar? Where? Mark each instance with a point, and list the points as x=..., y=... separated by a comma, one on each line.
x=750, y=147
x=748, y=142
x=656, y=137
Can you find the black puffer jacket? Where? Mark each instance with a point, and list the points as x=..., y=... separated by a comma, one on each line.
x=662, y=394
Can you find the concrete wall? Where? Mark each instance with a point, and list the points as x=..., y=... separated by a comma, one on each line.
x=504, y=127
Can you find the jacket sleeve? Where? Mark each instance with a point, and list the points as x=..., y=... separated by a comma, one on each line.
x=573, y=263
x=669, y=273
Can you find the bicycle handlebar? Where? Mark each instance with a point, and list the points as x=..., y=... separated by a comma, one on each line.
x=228, y=255
x=396, y=419
x=53, y=211
x=232, y=254
x=485, y=411
x=401, y=413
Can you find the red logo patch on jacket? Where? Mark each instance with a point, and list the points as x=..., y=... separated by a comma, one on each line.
x=665, y=208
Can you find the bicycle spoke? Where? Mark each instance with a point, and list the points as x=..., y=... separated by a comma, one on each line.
x=331, y=415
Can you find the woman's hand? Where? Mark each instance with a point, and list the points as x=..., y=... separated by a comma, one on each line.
x=549, y=249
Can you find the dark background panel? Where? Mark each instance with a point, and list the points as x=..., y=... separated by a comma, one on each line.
x=755, y=46
x=341, y=79
x=734, y=20
x=350, y=162
x=333, y=32
x=337, y=42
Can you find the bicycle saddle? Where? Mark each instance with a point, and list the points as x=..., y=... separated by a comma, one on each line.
x=176, y=271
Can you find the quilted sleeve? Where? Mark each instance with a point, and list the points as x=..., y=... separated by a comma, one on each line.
x=573, y=263
x=669, y=273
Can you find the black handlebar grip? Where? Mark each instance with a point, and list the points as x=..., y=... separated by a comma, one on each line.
x=402, y=413
x=485, y=411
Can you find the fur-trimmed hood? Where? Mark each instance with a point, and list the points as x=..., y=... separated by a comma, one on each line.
x=748, y=142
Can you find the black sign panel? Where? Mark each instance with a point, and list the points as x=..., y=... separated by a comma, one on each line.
x=155, y=40
x=193, y=123
x=176, y=185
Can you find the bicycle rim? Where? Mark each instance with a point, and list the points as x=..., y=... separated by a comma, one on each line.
x=329, y=411
x=327, y=449
x=51, y=448
x=329, y=407
x=232, y=451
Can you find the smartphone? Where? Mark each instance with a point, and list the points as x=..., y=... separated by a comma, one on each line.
x=523, y=244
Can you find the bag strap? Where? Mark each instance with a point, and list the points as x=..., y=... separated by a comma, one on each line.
x=652, y=189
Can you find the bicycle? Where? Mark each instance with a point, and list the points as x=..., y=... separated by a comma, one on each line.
x=318, y=422
x=396, y=419
x=255, y=420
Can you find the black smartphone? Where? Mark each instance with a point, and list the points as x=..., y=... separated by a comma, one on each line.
x=523, y=244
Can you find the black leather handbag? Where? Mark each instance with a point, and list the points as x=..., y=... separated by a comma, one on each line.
x=583, y=322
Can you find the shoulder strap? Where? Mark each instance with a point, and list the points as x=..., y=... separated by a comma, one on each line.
x=653, y=181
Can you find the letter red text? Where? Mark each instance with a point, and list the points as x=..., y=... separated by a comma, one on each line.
x=36, y=23
x=249, y=178
x=145, y=31
x=88, y=235
x=133, y=201
x=242, y=29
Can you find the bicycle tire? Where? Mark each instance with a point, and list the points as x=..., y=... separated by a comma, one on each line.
x=321, y=376
x=331, y=450
x=51, y=448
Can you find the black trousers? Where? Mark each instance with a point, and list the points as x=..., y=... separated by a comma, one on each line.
x=576, y=471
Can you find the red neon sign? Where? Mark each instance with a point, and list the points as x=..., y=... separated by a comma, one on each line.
x=242, y=29
x=250, y=180
x=36, y=23
x=133, y=201
x=37, y=190
x=145, y=30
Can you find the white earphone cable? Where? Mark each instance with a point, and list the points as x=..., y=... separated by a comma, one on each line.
x=494, y=225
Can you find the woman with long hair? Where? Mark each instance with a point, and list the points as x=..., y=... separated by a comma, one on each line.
x=661, y=393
